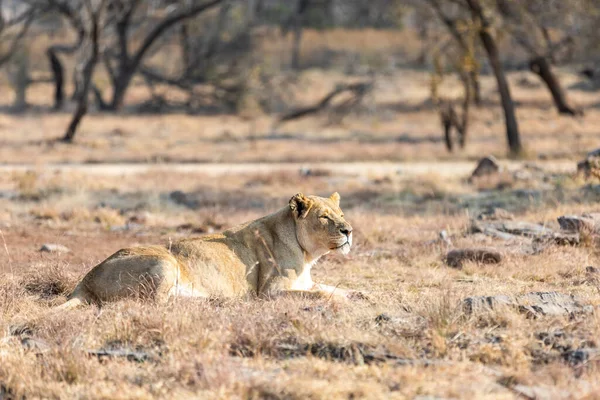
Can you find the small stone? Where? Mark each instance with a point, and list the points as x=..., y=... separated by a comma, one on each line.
x=593, y=154
x=580, y=356
x=486, y=166
x=54, y=248
x=456, y=258
x=181, y=198
x=592, y=270
x=383, y=317
x=445, y=238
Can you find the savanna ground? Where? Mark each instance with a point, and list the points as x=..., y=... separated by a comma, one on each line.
x=410, y=337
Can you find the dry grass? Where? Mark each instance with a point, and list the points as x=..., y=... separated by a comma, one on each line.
x=410, y=338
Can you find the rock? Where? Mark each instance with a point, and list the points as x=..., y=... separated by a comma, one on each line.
x=495, y=214
x=383, y=317
x=586, y=223
x=590, y=163
x=562, y=239
x=38, y=346
x=306, y=171
x=593, y=154
x=551, y=303
x=533, y=304
x=181, y=198
x=580, y=356
x=54, y=248
x=445, y=238
x=520, y=228
x=477, y=304
x=592, y=270
x=486, y=166
x=129, y=355
x=456, y=258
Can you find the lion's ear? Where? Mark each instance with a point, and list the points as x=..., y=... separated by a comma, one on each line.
x=300, y=205
x=335, y=198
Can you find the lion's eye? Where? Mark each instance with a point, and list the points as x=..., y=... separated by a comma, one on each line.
x=324, y=218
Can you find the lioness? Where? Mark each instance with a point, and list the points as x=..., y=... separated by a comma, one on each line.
x=269, y=256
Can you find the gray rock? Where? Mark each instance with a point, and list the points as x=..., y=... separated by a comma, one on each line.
x=520, y=228
x=183, y=199
x=591, y=162
x=592, y=270
x=478, y=304
x=580, y=356
x=589, y=223
x=54, y=248
x=456, y=258
x=532, y=304
x=551, y=303
x=593, y=154
x=486, y=166
x=38, y=346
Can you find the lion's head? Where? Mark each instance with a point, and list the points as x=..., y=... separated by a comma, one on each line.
x=320, y=224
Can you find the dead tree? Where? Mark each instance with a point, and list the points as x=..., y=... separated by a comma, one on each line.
x=357, y=91
x=123, y=63
x=465, y=43
x=93, y=35
x=541, y=67
x=298, y=22
x=68, y=9
x=534, y=38
x=489, y=44
x=21, y=22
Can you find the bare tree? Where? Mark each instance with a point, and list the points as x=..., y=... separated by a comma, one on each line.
x=462, y=32
x=489, y=44
x=21, y=23
x=123, y=63
x=95, y=13
x=69, y=10
x=298, y=22
x=533, y=35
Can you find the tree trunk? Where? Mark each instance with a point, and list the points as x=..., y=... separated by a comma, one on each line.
x=540, y=66
x=297, y=40
x=120, y=88
x=489, y=44
x=475, y=87
x=88, y=72
x=127, y=65
x=58, y=73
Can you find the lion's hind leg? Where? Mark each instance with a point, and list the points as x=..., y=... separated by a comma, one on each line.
x=144, y=272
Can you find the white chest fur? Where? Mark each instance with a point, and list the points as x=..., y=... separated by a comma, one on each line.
x=304, y=280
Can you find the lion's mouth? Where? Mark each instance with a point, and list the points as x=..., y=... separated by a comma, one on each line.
x=347, y=243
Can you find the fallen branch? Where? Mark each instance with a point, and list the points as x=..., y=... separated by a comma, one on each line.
x=357, y=89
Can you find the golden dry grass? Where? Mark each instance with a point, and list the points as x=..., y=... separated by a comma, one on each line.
x=410, y=338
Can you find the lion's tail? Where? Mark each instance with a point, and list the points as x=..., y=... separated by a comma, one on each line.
x=75, y=300
x=71, y=304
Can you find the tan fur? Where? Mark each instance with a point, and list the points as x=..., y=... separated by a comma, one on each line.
x=269, y=256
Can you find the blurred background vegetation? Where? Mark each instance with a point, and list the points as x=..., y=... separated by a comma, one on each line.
x=247, y=59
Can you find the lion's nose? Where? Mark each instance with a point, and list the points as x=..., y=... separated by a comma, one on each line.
x=346, y=230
